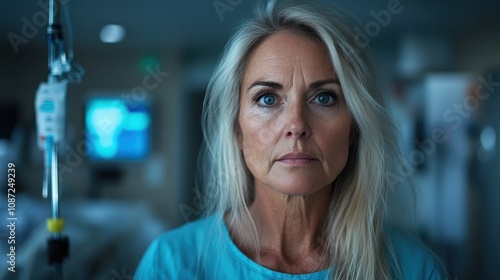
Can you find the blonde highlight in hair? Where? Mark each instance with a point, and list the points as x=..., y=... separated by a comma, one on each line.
x=354, y=233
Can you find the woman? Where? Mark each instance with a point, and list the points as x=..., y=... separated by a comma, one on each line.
x=297, y=147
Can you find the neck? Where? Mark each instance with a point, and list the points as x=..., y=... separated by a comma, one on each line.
x=289, y=229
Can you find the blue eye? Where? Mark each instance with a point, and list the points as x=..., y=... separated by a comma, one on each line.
x=267, y=100
x=325, y=99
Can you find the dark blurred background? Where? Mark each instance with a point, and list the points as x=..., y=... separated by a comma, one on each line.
x=440, y=63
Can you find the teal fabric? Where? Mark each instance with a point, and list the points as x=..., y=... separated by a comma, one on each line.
x=203, y=249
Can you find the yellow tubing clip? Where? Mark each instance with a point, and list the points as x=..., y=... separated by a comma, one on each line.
x=55, y=225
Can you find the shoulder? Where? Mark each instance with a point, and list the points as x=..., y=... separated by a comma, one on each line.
x=414, y=259
x=190, y=233
x=174, y=252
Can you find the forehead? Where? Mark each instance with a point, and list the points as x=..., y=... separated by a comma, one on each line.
x=284, y=51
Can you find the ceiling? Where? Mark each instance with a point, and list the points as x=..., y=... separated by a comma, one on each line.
x=196, y=24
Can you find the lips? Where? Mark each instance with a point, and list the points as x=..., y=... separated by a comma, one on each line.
x=296, y=159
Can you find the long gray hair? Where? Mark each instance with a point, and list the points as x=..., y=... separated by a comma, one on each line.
x=354, y=227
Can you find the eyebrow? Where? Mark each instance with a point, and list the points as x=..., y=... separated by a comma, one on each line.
x=320, y=83
x=275, y=85
x=266, y=84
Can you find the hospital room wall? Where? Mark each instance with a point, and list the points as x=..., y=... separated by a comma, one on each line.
x=477, y=49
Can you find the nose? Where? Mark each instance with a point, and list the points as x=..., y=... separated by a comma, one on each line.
x=296, y=122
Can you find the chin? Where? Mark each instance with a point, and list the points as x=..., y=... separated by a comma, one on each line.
x=300, y=187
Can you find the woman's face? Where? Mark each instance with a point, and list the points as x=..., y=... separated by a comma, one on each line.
x=293, y=124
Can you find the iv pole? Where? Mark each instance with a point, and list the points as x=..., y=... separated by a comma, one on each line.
x=58, y=245
x=50, y=112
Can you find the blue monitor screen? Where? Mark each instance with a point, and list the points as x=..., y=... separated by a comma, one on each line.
x=117, y=130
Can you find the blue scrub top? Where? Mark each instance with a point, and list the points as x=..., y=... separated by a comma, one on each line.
x=203, y=249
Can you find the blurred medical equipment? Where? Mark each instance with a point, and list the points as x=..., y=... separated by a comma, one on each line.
x=50, y=119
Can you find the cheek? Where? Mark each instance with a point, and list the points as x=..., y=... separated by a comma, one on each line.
x=336, y=143
x=256, y=129
x=257, y=138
